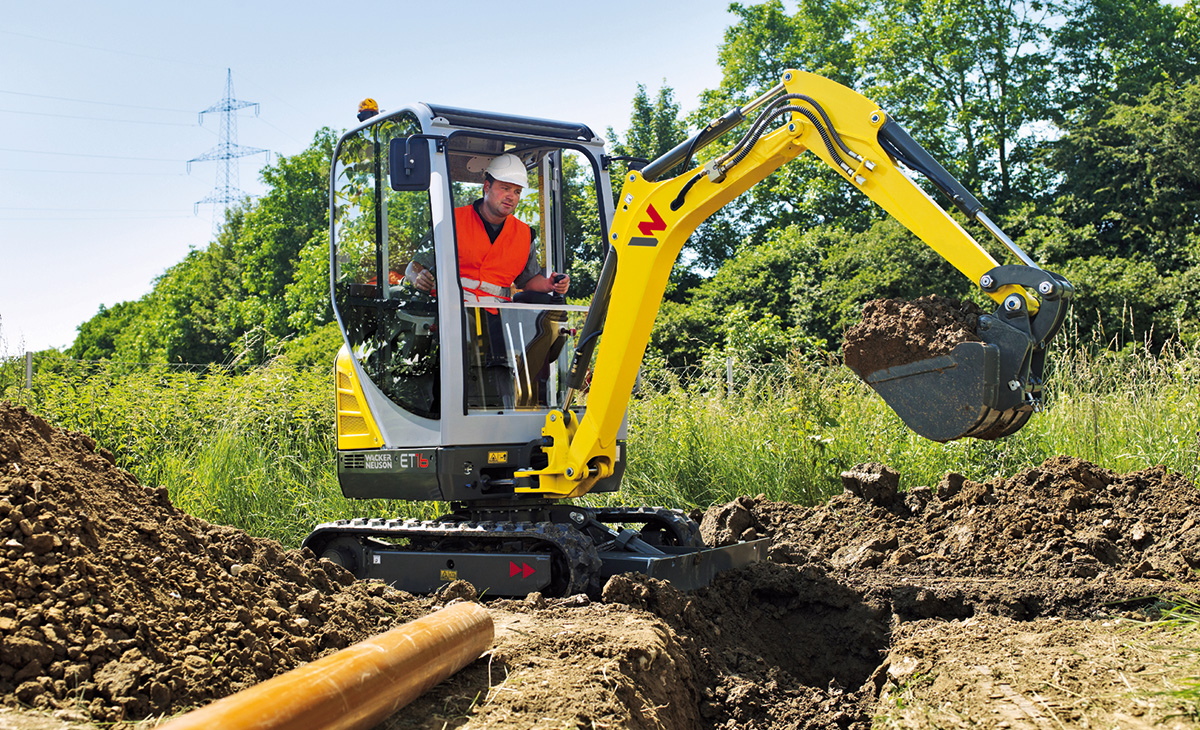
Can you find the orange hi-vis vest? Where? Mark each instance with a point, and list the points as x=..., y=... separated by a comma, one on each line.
x=479, y=258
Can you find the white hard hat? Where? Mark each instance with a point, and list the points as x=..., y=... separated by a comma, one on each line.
x=509, y=168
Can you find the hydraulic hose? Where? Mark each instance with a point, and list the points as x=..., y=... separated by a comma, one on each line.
x=828, y=133
x=833, y=132
x=684, y=150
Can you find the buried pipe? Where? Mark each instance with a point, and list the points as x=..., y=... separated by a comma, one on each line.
x=360, y=685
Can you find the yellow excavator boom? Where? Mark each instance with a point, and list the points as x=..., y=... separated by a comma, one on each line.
x=655, y=217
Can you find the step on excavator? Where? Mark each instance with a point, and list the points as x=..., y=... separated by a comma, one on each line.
x=511, y=409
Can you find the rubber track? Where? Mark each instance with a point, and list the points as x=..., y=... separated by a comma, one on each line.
x=575, y=548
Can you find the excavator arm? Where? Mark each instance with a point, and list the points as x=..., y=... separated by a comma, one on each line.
x=983, y=389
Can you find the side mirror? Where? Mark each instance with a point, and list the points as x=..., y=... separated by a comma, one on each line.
x=408, y=163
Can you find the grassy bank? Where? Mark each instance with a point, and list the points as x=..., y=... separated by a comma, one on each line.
x=255, y=449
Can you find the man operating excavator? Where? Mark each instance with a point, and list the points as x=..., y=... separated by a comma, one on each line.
x=496, y=251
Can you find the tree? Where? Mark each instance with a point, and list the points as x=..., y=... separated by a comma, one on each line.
x=261, y=281
x=971, y=81
x=654, y=129
x=198, y=305
x=1134, y=178
x=307, y=296
x=586, y=244
x=758, y=284
x=883, y=262
x=1119, y=300
x=764, y=42
x=1114, y=51
x=98, y=336
x=277, y=228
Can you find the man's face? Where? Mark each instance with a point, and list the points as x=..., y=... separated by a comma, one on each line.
x=499, y=200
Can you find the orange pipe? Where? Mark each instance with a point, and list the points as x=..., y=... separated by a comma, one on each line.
x=360, y=685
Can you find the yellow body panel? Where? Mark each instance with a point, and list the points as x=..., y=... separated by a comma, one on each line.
x=356, y=428
x=648, y=235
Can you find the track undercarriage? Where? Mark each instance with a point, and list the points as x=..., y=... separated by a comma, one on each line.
x=516, y=549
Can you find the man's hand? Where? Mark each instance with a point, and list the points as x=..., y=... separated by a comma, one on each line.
x=425, y=281
x=421, y=277
x=559, y=283
x=555, y=283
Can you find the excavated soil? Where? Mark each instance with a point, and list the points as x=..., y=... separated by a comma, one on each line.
x=1006, y=603
x=896, y=332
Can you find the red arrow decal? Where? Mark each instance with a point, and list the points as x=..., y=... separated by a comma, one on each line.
x=655, y=223
x=524, y=569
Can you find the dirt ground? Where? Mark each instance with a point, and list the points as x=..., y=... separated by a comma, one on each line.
x=1013, y=603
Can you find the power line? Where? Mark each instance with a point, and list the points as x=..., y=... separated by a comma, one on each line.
x=99, y=119
x=180, y=216
x=106, y=50
x=80, y=154
x=90, y=210
x=277, y=129
x=89, y=101
x=92, y=172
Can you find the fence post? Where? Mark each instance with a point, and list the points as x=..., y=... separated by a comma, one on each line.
x=729, y=374
x=28, y=370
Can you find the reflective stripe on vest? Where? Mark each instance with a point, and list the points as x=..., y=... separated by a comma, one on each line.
x=497, y=263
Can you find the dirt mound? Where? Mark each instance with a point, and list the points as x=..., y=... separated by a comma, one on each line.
x=116, y=605
x=803, y=641
x=897, y=332
x=773, y=646
x=1064, y=519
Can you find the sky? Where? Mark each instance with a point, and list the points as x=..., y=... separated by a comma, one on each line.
x=100, y=111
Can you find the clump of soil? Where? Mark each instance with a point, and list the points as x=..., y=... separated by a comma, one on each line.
x=884, y=606
x=116, y=605
x=896, y=332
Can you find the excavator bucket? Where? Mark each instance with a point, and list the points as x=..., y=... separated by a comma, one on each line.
x=986, y=389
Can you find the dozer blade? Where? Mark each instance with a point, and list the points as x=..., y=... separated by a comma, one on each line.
x=987, y=389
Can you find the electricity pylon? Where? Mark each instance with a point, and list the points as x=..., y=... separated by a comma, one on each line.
x=226, y=153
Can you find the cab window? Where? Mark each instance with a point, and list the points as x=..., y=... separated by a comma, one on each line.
x=391, y=327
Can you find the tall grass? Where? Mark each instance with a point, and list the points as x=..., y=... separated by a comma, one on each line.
x=256, y=450
x=1128, y=409
x=251, y=450
x=788, y=432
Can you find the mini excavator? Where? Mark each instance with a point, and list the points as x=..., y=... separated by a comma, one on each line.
x=510, y=410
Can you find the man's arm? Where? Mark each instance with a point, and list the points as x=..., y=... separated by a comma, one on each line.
x=546, y=284
x=532, y=278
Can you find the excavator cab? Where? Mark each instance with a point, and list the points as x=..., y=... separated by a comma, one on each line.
x=447, y=387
